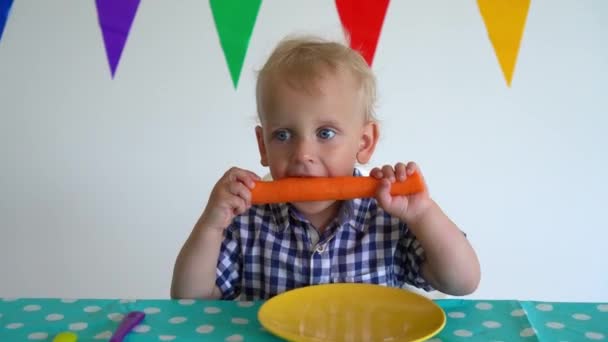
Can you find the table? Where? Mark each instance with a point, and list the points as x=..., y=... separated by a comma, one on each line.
x=189, y=320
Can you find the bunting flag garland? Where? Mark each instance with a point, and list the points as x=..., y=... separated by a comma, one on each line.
x=5, y=10
x=234, y=21
x=363, y=20
x=505, y=21
x=115, y=19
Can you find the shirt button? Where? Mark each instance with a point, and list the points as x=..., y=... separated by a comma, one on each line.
x=320, y=249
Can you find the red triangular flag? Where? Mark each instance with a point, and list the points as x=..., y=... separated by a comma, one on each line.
x=363, y=20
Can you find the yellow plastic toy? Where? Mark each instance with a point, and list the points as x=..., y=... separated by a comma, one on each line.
x=66, y=336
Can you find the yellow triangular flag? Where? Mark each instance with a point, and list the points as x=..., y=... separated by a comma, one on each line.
x=505, y=21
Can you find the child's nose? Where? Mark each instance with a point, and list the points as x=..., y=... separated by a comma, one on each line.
x=303, y=151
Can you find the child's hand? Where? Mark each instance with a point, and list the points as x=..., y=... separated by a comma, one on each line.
x=406, y=208
x=231, y=196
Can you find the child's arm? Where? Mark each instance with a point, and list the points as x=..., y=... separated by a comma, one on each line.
x=451, y=264
x=194, y=275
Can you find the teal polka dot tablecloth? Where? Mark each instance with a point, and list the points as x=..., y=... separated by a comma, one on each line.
x=42, y=319
x=469, y=320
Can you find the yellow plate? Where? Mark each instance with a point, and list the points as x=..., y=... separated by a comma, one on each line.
x=351, y=312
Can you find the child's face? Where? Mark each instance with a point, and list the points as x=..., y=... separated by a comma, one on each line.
x=318, y=133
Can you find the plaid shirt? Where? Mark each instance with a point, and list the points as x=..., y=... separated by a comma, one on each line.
x=271, y=249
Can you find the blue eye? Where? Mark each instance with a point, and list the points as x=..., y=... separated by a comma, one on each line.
x=282, y=135
x=326, y=133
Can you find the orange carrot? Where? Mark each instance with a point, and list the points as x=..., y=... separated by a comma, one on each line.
x=327, y=188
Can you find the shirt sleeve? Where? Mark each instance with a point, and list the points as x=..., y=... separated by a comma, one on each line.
x=409, y=257
x=229, y=266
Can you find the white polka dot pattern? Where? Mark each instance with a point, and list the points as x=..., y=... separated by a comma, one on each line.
x=92, y=309
x=518, y=313
x=177, y=320
x=581, y=317
x=31, y=308
x=78, y=326
x=527, y=332
x=212, y=310
x=594, y=335
x=142, y=328
x=205, y=329
x=38, y=336
x=234, y=338
x=238, y=320
x=116, y=317
x=463, y=333
x=555, y=325
x=54, y=317
x=484, y=306
x=457, y=315
x=544, y=307
x=103, y=335
x=151, y=311
x=492, y=324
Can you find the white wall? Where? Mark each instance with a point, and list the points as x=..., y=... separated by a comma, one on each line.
x=101, y=180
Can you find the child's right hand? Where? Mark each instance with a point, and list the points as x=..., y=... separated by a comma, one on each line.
x=230, y=196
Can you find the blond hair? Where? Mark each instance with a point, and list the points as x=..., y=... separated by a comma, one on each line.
x=302, y=61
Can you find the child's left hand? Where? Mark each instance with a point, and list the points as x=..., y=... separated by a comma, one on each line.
x=409, y=207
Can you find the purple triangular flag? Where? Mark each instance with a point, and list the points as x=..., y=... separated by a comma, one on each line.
x=115, y=19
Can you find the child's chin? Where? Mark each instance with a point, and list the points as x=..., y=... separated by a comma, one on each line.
x=316, y=207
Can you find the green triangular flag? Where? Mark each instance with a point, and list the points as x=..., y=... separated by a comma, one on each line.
x=234, y=20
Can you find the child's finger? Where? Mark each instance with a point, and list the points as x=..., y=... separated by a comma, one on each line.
x=239, y=189
x=411, y=168
x=384, y=193
x=376, y=172
x=237, y=204
x=246, y=177
x=388, y=172
x=400, y=171
x=253, y=175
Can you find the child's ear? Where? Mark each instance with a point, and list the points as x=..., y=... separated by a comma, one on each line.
x=260, y=136
x=369, y=138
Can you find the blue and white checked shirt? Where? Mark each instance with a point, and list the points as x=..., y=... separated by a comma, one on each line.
x=271, y=249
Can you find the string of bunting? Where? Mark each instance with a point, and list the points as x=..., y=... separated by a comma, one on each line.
x=362, y=21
